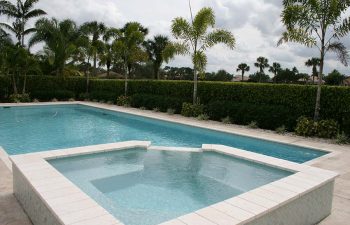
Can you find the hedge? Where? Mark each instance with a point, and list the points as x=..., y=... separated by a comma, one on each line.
x=266, y=116
x=163, y=103
x=293, y=100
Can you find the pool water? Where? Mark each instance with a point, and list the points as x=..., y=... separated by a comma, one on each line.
x=142, y=187
x=42, y=128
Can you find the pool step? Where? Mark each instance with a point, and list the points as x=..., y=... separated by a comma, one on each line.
x=174, y=149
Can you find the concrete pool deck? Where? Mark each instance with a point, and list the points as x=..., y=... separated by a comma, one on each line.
x=339, y=161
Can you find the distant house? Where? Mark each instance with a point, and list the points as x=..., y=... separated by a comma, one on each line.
x=238, y=78
x=346, y=82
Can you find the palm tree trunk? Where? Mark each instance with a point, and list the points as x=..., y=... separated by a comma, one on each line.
x=242, y=75
x=87, y=82
x=319, y=88
x=15, y=91
x=95, y=64
x=195, y=86
x=126, y=79
x=24, y=84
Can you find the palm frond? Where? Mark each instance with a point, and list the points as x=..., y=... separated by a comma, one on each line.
x=34, y=13
x=341, y=51
x=298, y=36
x=200, y=61
x=175, y=48
x=181, y=28
x=343, y=29
x=219, y=36
x=204, y=19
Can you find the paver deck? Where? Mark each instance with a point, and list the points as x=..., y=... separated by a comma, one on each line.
x=12, y=214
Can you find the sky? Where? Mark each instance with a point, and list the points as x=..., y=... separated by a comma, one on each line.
x=255, y=24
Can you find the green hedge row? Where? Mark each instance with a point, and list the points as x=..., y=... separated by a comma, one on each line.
x=163, y=103
x=266, y=116
x=288, y=101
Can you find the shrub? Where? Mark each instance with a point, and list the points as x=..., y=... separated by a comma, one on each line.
x=323, y=129
x=143, y=108
x=305, y=127
x=253, y=125
x=123, y=101
x=155, y=101
x=171, y=111
x=281, y=130
x=204, y=117
x=342, y=139
x=226, y=120
x=84, y=96
x=156, y=110
x=62, y=95
x=190, y=110
x=54, y=100
x=103, y=96
x=327, y=129
x=17, y=98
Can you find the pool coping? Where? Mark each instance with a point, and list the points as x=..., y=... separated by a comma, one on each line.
x=53, y=187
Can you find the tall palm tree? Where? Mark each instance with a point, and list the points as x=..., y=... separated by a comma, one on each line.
x=95, y=32
x=195, y=39
x=243, y=67
x=128, y=47
x=262, y=63
x=61, y=39
x=314, y=63
x=275, y=68
x=320, y=24
x=21, y=12
x=155, y=49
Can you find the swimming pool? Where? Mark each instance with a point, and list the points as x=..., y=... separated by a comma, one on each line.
x=141, y=187
x=39, y=128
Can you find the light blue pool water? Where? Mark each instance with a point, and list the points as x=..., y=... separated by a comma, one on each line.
x=142, y=187
x=40, y=128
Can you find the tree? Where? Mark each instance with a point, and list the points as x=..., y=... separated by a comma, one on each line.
x=243, y=67
x=314, y=63
x=108, y=54
x=275, y=69
x=335, y=78
x=128, y=47
x=60, y=38
x=21, y=12
x=194, y=39
x=288, y=76
x=94, y=31
x=155, y=49
x=262, y=63
x=259, y=78
x=221, y=75
x=320, y=24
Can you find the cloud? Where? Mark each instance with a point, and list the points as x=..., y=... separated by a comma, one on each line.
x=256, y=25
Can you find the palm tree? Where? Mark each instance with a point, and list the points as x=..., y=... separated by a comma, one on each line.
x=155, y=49
x=94, y=31
x=128, y=47
x=317, y=23
x=195, y=40
x=243, y=67
x=61, y=39
x=314, y=63
x=275, y=68
x=107, y=55
x=262, y=63
x=22, y=12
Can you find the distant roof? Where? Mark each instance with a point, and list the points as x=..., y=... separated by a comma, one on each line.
x=239, y=78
